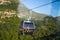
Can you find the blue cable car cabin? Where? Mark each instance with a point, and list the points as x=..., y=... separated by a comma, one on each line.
x=28, y=27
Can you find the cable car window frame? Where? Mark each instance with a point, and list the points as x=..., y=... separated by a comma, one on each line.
x=33, y=27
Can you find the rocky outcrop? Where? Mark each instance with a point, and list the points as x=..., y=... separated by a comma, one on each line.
x=8, y=8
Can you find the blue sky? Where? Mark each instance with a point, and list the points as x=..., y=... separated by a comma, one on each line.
x=51, y=9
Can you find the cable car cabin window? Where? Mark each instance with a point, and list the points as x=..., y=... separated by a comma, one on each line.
x=29, y=25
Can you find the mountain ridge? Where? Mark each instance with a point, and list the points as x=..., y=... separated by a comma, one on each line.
x=20, y=9
x=24, y=12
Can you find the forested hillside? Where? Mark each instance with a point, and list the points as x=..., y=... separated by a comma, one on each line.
x=9, y=21
x=10, y=24
x=45, y=30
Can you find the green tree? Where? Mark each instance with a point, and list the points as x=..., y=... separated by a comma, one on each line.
x=26, y=37
x=9, y=28
x=45, y=27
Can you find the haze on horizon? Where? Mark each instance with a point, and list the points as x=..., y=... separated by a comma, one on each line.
x=51, y=9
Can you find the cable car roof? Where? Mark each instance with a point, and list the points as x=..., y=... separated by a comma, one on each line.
x=28, y=21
